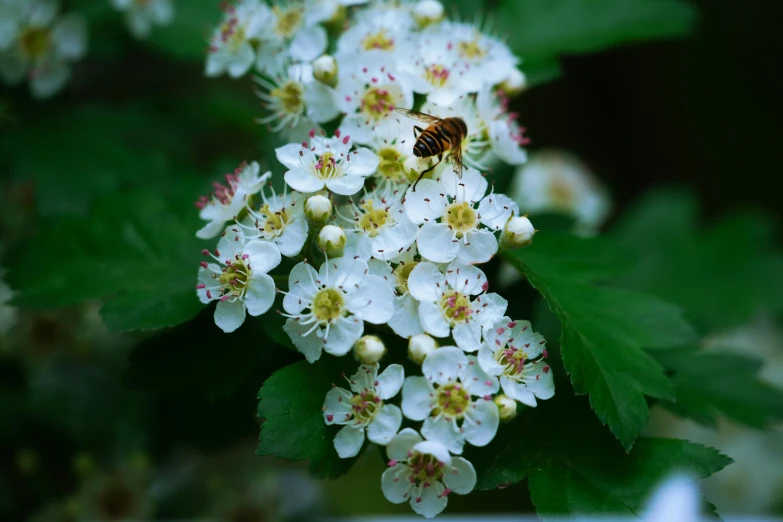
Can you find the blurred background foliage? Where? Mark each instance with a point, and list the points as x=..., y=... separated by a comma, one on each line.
x=120, y=398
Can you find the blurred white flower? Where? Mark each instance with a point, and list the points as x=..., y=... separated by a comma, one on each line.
x=379, y=28
x=676, y=500
x=280, y=219
x=294, y=34
x=231, y=48
x=142, y=15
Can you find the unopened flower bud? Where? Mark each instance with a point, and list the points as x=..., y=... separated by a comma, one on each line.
x=420, y=346
x=369, y=349
x=428, y=12
x=332, y=240
x=325, y=70
x=318, y=209
x=506, y=407
x=514, y=84
x=518, y=232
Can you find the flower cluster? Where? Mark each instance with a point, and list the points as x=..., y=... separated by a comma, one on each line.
x=383, y=240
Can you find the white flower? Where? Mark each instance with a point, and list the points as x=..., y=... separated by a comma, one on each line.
x=405, y=321
x=424, y=474
x=445, y=305
x=327, y=309
x=555, y=181
x=444, y=399
x=141, y=15
x=11, y=16
x=296, y=95
x=227, y=201
x=368, y=90
x=675, y=500
x=393, y=143
x=241, y=283
x=381, y=228
x=516, y=354
x=327, y=162
x=40, y=46
x=451, y=219
x=280, y=219
x=378, y=28
x=293, y=34
x=364, y=409
x=231, y=47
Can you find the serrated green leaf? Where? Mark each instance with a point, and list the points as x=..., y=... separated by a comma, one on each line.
x=290, y=402
x=604, y=329
x=708, y=384
x=132, y=247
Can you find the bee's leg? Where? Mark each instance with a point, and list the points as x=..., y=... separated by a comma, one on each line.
x=417, y=128
x=440, y=158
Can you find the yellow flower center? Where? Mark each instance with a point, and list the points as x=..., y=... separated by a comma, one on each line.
x=512, y=359
x=453, y=400
x=460, y=217
x=232, y=35
x=402, y=272
x=379, y=40
x=437, y=75
x=390, y=166
x=425, y=468
x=455, y=307
x=234, y=278
x=373, y=219
x=365, y=405
x=328, y=305
x=288, y=20
x=290, y=96
x=377, y=103
x=273, y=222
x=326, y=168
x=35, y=41
x=471, y=49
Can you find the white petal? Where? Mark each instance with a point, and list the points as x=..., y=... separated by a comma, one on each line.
x=70, y=37
x=477, y=381
x=405, y=321
x=289, y=155
x=303, y=181
x=490, y=308
x=442, y=430
x=211, y=229
x=355, y=126
x=444, y=365
x=343, y=335
x=504, y=145
x=416, y=398
x=431, y=502
x=385, y=425
x=308, y=43
x=485, y=419
x=461, y=478
x=357, y=246
x=49, y=79
x=346, y=185
x=391, y=241
x=343, y=272
x=390, y=381
x=263, y=256
x=229, y=315
x=487, y=360
x=426, y=203
x=432, y=320
x=363, y=162
x=301, y=284
x=435, y=449
x=293, y=238
x=539, y=380
x=242, y=61
x=496, y=209
x=466, y=279
x=348, y=441
x=231, y=243
x=471, y=187
x=205, y=278
x=402, y=443
x=395, y=484
x=321, y=106
x=260, y=294
x=426, y=282
x=337, y=407
x=517, y=391
x=310, y=345
x=436, y=242
x=468, y=336
x=480, y=246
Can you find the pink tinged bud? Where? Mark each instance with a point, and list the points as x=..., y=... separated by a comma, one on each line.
x=392, y=463
x=330, y=417
x=200, y=286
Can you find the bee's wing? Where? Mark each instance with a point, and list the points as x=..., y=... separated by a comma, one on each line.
x=456, y=159
x=426, y=118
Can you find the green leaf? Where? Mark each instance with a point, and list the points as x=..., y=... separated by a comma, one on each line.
x=290, y=402
x=133, y=250
x=722, y=275
x=707, y=384
x=187, y=37
x=604, y=329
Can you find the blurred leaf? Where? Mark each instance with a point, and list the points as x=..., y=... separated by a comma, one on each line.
x=135, y=247
x=290, y=402
x=723, y=276
x=187, y=37
x=604, y=329
x=707, y=384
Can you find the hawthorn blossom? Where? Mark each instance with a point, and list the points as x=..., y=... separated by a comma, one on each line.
x=227, y=201
x=238, y=280
x=326, y=310
x=446, y=306
x=381, y=228
x=379, y=28
x=281, y=220
x=393, y=144
x=327, y=162
x=454, y=399
x=515, y=353
x=405, y=321
x=453, y=225
x=293, y=34
x=141, y=15
x=231, y=47
x=37, y=44
x=424, y=474
x=362, y=409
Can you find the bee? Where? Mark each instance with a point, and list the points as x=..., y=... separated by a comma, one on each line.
x=441, y=136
